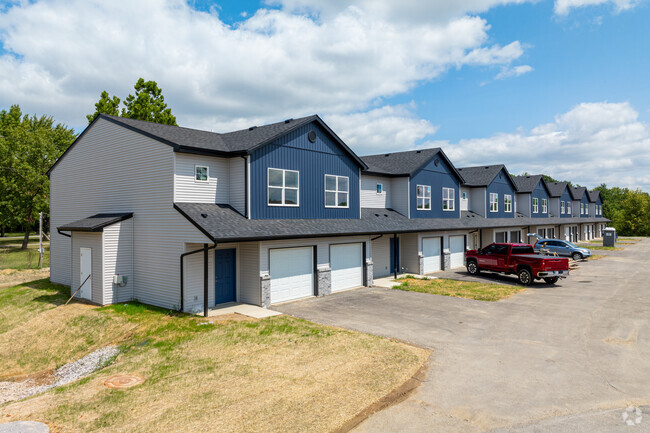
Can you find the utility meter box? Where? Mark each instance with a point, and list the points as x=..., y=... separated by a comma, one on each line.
x=609, y=237
x=119, y=280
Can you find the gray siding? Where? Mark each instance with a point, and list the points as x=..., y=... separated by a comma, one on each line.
x=94, y=242
x=118, y=259
x=410, y=260
x=523, y=204
x=369, y=196
x=400, y=195
x=477, y=201
x=381, y=257
x=188, y=190
x=554, y=206
x=238, y=184
x=249, y=256
x=113, y=169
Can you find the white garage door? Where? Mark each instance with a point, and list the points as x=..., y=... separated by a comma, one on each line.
x=292, y=274
x=347, y=266
x=457, y=251
x=431, y=253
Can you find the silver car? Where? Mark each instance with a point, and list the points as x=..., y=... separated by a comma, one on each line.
x=562, y=248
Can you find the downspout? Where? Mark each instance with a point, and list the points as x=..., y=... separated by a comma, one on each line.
x=183, y=270
x=245, y=185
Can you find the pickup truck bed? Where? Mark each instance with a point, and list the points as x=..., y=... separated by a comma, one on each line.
x=518, y=259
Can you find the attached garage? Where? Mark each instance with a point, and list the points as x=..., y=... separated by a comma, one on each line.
x=457, y=251
x=432, y=254
x=346, y=261
x=292, y=273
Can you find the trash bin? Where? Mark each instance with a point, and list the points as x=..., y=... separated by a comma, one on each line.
x=609, y=237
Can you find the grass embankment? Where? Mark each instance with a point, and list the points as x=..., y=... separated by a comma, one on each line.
x=17, y=258
x=274, y=375
x=459, y=289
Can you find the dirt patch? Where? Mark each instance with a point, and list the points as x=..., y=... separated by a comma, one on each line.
x=13, y=277
x=123, y=381
x=459, y=289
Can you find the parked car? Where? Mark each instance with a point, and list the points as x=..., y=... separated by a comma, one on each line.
x=518, y=259
x=562, y=248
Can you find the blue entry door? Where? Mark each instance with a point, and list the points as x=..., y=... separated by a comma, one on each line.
x=393, y=251
x=224, y=276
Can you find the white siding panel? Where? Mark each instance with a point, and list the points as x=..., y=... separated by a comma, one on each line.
x=369, y=196
x=92, y=240
x=113, y=169
x=400, y=195
x=118, y=259
x=188, y=190
x=249, y=255
x=238, y=184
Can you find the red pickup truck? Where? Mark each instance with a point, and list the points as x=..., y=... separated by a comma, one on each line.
x=519, y=259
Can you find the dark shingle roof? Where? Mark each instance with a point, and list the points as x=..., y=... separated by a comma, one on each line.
x=483, y=175
x=222, y=223
x=527, y=183
x=405, y=163
x=95, y=223
x=578, y=192
x=556, y=188
x=593, y=195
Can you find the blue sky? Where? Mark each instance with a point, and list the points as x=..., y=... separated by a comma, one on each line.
x=536, y=85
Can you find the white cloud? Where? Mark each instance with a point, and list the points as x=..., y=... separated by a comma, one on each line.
x=63, y=53
x=590, y=144
x=508, y=72
x=563, y=7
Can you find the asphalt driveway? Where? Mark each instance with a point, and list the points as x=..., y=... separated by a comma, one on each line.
x=564, y=358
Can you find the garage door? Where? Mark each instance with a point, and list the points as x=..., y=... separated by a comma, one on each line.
x=347, y=266
x=457, y=251
x=431, y=254
x=292, y=274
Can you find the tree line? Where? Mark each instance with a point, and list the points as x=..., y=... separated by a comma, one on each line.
x=30, y=145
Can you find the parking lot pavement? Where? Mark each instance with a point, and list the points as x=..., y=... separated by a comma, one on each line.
x=532, y=363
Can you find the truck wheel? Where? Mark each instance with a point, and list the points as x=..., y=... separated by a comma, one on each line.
x=551, y=280
x=472, y=268
x=576, y=256
x=525, y=277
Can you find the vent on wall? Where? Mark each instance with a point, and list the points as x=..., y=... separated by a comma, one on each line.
x=311, y=136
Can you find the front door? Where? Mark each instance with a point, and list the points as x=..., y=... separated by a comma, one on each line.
x=224, y=276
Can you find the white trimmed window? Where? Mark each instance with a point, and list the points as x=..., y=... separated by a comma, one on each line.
x=448, y=199
x=507, y=203
x=423, y=195
x=544, y=206
x=535, y=205
x=283, y=187
x=201, y=173
x=586, y=209
x=568, y=207
x=494, y=202
x=562, y=207
x=337, y=191
x=380, y=188
x=582, y=208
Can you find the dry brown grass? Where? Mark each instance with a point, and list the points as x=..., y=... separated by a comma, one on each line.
x=278, y=374
x=459, y=289
x=596, y=257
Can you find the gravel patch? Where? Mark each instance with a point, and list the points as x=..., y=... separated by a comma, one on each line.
x=10, y=391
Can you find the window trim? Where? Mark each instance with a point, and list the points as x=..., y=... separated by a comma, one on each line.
x=582, y=208
x=535, y=205
x=587, y=209
x=505, y=203
x=380, y=188
x=283, y=204
x=495, y=202
x=207, y=173
x=544, y=205
x=423, y=197
x=336, y=193
x=561, y=207
x=452, y=199
x=568, y=207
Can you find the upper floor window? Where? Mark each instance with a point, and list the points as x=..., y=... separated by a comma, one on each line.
x=582, y=208
x=586, y=209
x=544, y=206
x=423, y=195
x=507, y=203
x=562, y=207
x=283, y=187
x=448, y=199
x=535, y=205
x=568, y=207
x=201, y=173
x=464, y=195
x=337, y=191
x=380, y=188
x=494, y=202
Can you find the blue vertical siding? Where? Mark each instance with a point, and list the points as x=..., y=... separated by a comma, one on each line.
x=540, y=193
x=585, y=201
x=502, y=186
x=313, y=160
x=566, y=197
x=436, y=177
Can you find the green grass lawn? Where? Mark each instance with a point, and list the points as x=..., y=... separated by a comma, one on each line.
x=17, y=258
x=278, y=374
x=459, y=289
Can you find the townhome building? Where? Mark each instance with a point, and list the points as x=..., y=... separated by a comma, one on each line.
x=188, y=219
x=562, y=205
